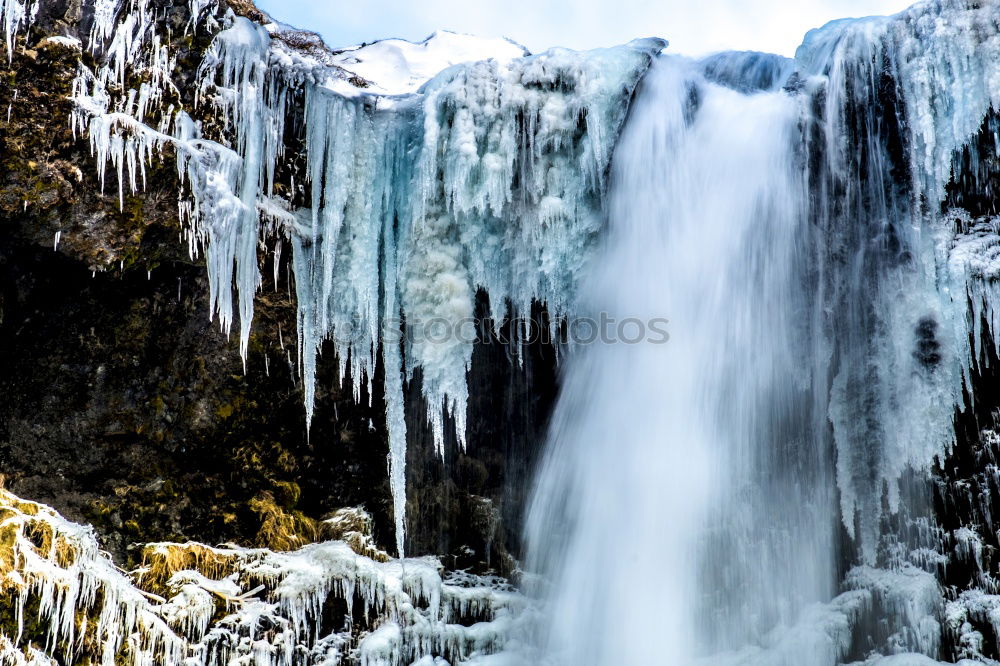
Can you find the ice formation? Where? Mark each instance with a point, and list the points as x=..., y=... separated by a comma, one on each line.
x=473, y=184
x=197, y=605
x=911, y=90
x=491, y=176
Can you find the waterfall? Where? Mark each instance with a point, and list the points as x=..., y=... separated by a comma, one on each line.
x=757, y=490
x=779, y=280
x=684, y=505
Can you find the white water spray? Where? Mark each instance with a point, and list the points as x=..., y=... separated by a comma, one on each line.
x=678, y=511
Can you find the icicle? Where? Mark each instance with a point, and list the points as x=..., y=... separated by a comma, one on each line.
x=15, y=15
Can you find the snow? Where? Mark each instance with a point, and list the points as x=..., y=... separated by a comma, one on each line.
x=400, y=67
x=68, y=42
x=239, y=605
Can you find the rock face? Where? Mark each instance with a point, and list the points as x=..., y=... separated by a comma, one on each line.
x=127, y=408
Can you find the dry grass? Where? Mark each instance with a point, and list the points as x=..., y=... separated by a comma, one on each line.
x=302, y=40
x=160, y=561
x=281, y=529
x=248, y=9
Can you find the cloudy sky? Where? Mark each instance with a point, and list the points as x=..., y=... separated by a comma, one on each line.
x=693, y=27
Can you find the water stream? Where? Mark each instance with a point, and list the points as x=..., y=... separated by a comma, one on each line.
x=684, y=505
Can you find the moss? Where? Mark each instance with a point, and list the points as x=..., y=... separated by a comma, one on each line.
x=354, y=527
x=159, y=405
x=37, y=85
x=247, y=9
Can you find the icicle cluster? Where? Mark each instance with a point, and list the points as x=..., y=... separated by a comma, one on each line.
x=490, y=177
x=898, y=111
x=15, y=15
x=508, y=194
x=326, y=605
x=225, y=213
x=900, y=96
x=232, y=605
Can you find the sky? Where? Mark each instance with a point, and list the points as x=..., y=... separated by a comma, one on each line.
x=693, y=27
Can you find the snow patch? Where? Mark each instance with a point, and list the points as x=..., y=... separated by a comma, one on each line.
x=399, y=67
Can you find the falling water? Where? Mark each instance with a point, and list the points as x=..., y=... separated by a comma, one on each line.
x=683, y=506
